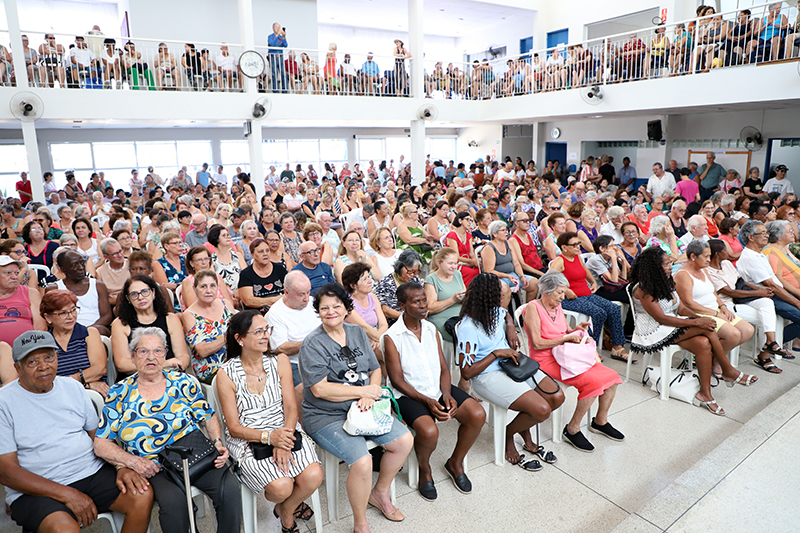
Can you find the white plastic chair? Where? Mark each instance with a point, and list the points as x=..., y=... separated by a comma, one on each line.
x=111, y=368
x=332, y=482
x=249, y=498
x=40, y=268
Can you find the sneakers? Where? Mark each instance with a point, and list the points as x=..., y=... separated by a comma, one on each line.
x=578, y=441
x=607, y=429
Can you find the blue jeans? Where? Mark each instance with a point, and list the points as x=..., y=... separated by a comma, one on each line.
x=350, y=448
x=278, y=72
x=602, y=312
x=789, y=312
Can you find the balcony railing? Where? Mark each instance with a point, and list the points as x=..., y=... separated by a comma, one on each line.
x=763, y=34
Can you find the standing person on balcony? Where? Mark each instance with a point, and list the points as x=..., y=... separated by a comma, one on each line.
x=276, y=41
x=400, y=56
x=165, y=66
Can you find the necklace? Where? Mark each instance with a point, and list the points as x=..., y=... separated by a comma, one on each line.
x=553, y=316
x=260, y=377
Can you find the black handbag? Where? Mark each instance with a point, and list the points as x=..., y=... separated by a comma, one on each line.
x=204, y=453
x=522, y=371
x=264, y=451
x=742, y=286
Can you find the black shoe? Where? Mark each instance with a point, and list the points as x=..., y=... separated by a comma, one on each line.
x=461, y=481
x=607, y=429
x=579, y=441
x=428, y=491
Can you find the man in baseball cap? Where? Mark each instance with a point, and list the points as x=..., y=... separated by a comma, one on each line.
x=54, y=480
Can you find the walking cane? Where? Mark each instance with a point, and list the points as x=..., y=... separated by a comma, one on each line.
x=185, y=452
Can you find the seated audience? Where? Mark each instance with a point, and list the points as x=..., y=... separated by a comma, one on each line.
x=630, y=246
x=658, y=324
x=205, y=323
x=261, y=284
x=170, y=269
x=82, y=229
x=412, y=235
x=420, y=377
x=504, y=261
x=199, y=258
x=141, y=262
x=143, y=306
x=312, y=232
x=114, y=272
x=40, y=249
x=547, y=328
x=226, y=260
x=460, y=240
x=19, y=253
x=729, y=233
x=486, y=334
x=93, y=302
x=609, y=266
x=557, y=224
x=338, y=368
x=317, y=272
x=580, y=297
x=382, y=241
x=198, y=235
x=351, y=251
x=357, y=281
x=257, y=401
x=783, y=262
x=525, y=242
x=152, y=409
x=81, y=353
x=406, y=268
x=698, y=229
x=662, y=234
x=62, y=491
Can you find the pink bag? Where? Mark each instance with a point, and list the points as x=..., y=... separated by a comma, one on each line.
x=576, y=358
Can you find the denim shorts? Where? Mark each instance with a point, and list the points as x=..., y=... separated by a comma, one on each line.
x=334, y=439
x=510, y=283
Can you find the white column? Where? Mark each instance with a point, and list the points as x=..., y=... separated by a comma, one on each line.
x=249, y=43
x=417, y=152
x=416, y=48
x=34, y=165
x=351, y=151
x=256, y=159
x=15, y=36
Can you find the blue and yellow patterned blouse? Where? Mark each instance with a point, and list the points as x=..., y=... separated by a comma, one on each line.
x=145, y=427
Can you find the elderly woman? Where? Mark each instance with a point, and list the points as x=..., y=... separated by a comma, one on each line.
x=411, y=234
x=170, y=269
x=784, y=263
x=261, y=284
x=199, y=258
x=226, y=260
x=698, y=229
x=547, y=328
x=460, y=240
x=81, y=354
x=587, y=230
x=152, y=409
x=406, y=268
x=44, y=218
x=257, y=399
x=142, y=305
x=630, y=246
x=728, y=233
x=291, y=239
x=662, y=234
x=581, y=297
x=486, y=334
x=338, y=367
x=504, y=261
x=313, y=232
x=696, y=292
x=757, y=309
x=707, y=212
x=382, y=241
x=658, y=325
x=82, y=229
x=205, y=323
x=557, y=223
x=351, y=251
x=250, y=233
x=9, y=224
x=276, y=254
x=357, y=281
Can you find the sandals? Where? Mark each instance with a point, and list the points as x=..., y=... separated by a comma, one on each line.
x=621, y=354
x=548, y=457
x=749, y=381
x=304, y=512
x=284, y=529
x=700, y=403
x=531, y=466
x=768, y=365
x=775, y=349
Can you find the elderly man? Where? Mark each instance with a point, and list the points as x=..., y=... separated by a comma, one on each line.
x=55, y=482
x=19, y=304
x=371, y=75
x=616, y=217
x=198, y=235
x=709, y=175
x=725, y=208
x=293, y=199
x=661, y=185
x=676, y=215
x=754, y=268
x=325, y=220
x=674, y=170
x=698, y=229
x=276, y=41
x=238, y=216
x=114, y=272
x=317, y=272
x=639, y=216
x=54, y=204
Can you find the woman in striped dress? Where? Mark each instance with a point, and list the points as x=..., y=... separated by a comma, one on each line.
x=257, y=398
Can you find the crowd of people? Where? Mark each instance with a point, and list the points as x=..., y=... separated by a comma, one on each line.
x=299, y=306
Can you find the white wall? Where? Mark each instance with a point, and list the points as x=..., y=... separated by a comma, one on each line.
x=358, y=41
x=789, y=156
x=489, y=138
x=508, y=33
x=590, y=148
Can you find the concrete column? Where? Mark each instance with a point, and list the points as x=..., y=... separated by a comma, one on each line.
x=248, y=39
x=351, y=151
x=34, y=165
x=255, y=140
x=417, y=152
x=15, y=36
x=416, y=46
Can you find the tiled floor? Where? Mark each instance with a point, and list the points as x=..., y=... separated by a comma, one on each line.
x=675, y=471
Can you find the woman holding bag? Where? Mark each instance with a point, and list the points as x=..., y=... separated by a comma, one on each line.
x=547, y=329
x=256, y=396
x=338, y=368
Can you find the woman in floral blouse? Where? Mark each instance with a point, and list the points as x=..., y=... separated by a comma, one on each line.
x=205, y=323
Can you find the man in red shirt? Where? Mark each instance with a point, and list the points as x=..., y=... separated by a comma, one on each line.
x=24, y=188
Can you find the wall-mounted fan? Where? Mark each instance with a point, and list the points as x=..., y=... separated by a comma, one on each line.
x=592, y=95
x=26, y=106
x=751, y=138
x=262, y=107
x=427, y=113
x=494, y=51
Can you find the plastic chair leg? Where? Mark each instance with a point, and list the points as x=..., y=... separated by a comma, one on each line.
x=413, y=470
x=332, y=485
x=249, y=513
x=317, y=507
x=499, y=431
x=666, y=360
x=557, y=416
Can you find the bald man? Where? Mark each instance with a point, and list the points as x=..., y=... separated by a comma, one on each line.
x=198, y=235
x=317, y=272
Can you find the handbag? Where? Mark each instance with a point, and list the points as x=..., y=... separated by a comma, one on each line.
x=525, y=369
x=375, y=421
x=683, y=384
x=576, y=358
x=264, y=451
x=742, y=286
x=204, y=453
x=424, y=247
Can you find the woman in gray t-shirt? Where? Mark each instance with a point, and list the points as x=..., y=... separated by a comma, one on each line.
x=338, y=367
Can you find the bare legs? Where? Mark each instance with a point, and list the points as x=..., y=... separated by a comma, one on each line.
x=604, y=404
x=288, y=493
x=533, y=407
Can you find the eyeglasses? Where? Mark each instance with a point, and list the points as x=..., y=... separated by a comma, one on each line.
x=632, y=232
x=113, y=254
x=201, y=259
x=144, y=293
x=524, y=221
x=19, y=252
x=33, y=363
x=63, y=314
x=144, y=352
x=315, y=251
x=261, y=332
x=760, y=233
x=574, y=243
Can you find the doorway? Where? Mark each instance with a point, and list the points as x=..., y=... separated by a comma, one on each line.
x=557, y=151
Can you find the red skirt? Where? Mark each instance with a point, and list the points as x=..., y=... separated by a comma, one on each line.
x=590, y=384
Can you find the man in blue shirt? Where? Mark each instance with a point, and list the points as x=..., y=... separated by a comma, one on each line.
x=371, y=73
x=318, y=273
x=627, y=174
x=710, y=175
x=276, y=41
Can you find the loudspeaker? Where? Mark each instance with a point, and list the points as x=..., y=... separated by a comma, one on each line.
x=654, y=130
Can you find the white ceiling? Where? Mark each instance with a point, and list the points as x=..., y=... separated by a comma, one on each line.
x=451, y=18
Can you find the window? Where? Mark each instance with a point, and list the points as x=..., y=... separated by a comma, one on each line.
x=71, y=155
x=114, y=155
x=193, y=154
x=370, y=149
x=443, y=148
x=302, y=151
x=397, y=146
x=15, y=160
x=274, y=153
